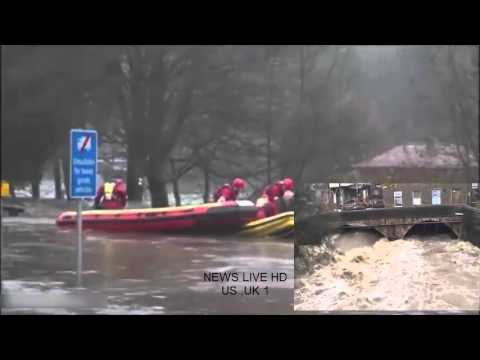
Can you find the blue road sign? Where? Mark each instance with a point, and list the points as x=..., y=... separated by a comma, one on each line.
x=83, y=163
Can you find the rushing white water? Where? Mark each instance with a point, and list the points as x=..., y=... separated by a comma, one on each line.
x=418, y=274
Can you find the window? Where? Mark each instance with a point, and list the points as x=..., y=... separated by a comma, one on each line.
x=436, y=197
x=416, y=198
x=397, y=199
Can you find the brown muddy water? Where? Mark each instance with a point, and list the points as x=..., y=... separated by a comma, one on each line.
x=422, y=274
x=133, y=273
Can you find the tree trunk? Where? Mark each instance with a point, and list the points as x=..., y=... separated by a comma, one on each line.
x=36, y=188
x=269, y=121
x=158, y=186
x=135, y=127
x=57, y=179
x=176, y=190
x=302, y=73
x=269, y=150
x=206, y=177
x=134, y=165
x=66, y=176
x=158, y=191
x=176, y=193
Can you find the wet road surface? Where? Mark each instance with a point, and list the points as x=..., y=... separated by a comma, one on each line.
x=135, y=273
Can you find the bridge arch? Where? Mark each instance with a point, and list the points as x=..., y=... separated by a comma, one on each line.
x=432, y=228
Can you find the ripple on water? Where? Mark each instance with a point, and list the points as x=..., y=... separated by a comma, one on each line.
x=189, y=249
x=28, y=221
x=137, y=293
x=203, y=287
x=130, y=310
x=221, y=269
x=71, y=272
x=134, y=280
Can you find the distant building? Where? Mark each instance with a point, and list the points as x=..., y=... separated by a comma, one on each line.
x=416, y=194
x=420, y=174
x=355, y=196
x=359, y=196
x=419, y=163
x=325, y=197
x=405, y=175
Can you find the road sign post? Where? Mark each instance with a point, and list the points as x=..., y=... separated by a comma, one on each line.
x=79, y=243
x=83, y=179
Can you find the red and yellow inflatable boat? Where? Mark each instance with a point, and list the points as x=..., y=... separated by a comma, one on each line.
x=212, y=217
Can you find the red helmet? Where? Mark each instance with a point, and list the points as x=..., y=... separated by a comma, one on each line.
x=238, y=183
x=288, y=183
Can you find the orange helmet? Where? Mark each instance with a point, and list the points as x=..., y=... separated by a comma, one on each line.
x=238, y=183
x=288, y=183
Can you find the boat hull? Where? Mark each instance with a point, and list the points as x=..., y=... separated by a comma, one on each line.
x=211, y=218
x=274, y=225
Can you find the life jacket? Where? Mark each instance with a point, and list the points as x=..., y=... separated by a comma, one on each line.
x=272, y=192
x=279, y=189
x=221, y=192
x=108, y=190
x=288, y=199
x=270, y=209
x=266, y=203
x=114, y=196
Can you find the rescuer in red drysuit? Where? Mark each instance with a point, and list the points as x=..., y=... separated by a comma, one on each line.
x=276, y=198
x=229, y=192
x=112, y=195
x=288, y=194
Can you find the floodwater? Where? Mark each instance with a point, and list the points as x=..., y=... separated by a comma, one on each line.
x=422, y=274
x=136, y=273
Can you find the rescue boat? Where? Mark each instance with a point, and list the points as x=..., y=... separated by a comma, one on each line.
x=277, y=225
x=212, y=217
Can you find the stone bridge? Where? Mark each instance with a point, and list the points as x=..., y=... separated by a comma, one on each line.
x=392, y=223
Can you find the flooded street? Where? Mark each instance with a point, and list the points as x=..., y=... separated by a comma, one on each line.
x=417, y=275
x=134, y=274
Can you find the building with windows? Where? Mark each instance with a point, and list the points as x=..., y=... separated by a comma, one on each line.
x=359, y=196
x=417, y=194
x=420, y=174
x=404, y=176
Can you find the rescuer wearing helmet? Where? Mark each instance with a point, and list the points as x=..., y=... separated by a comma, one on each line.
x=266, y=202
x=112, y=195
x=229, y=192
x=276, y=198
x=288, y=194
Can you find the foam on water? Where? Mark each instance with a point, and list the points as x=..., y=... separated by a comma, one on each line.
x=428, y=274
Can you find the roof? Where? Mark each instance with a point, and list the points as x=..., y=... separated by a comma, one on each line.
x=417, y=156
